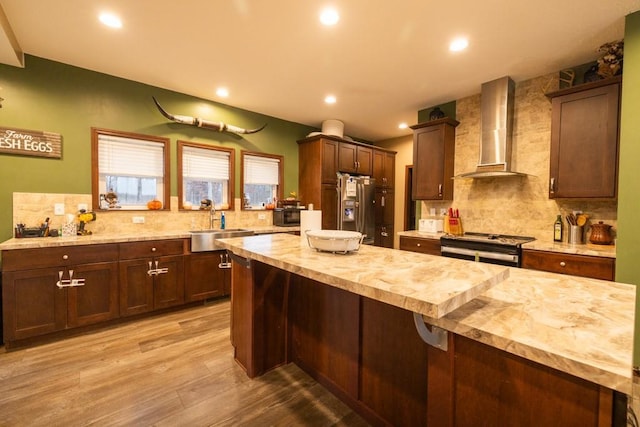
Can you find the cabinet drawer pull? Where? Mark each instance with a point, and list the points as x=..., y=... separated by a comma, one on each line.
x=65, y=256
x=563, y=264
x=418, y=244
x=153, y=249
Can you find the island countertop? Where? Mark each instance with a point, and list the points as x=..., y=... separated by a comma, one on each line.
x=583, y=327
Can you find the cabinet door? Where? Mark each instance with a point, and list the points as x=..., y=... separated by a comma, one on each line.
x=203, y=276
x=584, y=144
x=136, y=287
x=384, y=206
x=347, y=157
x=33, y=304
x=97, y=300
x=168, y=288
x=384, y=236
x=364, y=160
x=329, y=207
x=433, y=153
x=384, y=166
x=329, y=161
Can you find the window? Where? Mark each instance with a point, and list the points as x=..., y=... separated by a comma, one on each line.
x=261, y=179
x=205, y=172
x=133, y=167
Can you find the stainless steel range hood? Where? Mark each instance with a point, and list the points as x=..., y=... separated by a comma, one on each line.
x=496, y=124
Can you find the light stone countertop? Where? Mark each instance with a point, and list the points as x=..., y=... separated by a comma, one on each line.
x=96, y=239
x=580, y=326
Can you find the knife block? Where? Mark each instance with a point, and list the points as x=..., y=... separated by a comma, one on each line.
x=453, y=226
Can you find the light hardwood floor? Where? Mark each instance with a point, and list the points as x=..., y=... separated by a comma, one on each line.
x=169, y=370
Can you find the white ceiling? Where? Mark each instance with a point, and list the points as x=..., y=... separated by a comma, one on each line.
x=384, y=61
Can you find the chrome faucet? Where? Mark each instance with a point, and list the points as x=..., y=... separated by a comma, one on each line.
x=212, y=216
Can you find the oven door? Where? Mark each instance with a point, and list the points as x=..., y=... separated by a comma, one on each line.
x=508, y=259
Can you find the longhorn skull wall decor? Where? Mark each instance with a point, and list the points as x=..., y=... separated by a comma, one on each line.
x=206, y=124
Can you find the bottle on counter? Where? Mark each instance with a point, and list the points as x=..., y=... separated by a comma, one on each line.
x=557, y=229
x=222, y=221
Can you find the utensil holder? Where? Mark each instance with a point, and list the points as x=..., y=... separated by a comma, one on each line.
x=575, y=235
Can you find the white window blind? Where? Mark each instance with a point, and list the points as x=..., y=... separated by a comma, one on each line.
x=261, y=170
x=130, y=157
x=200, y=163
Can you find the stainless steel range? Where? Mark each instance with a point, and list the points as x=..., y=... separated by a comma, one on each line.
x=491, y=248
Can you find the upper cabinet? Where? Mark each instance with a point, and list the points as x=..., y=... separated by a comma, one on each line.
x=433, y=159
x=384, y=168
x=584, y=140
x=353, y=158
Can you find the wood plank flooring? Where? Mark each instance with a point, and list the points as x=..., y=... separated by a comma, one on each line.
x=176, y=369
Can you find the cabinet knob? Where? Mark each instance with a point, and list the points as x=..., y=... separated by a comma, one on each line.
x=153, y=249
x=439, y=190
x=65, y=256
x=552, y=185
x=562, y=263
x=418, y=244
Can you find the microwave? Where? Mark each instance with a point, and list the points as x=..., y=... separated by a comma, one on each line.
x=286, y=217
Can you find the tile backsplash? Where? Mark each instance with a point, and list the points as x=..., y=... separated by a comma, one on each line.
x=518, y=206
x=32, y=209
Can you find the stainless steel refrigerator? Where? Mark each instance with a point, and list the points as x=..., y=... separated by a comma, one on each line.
x=356, y=199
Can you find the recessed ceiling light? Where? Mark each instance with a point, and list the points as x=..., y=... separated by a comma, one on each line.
x=110, y=20
x=330, y=99
x=458, y=44
x=222, y=92
x=403, y=126
x=329, y=16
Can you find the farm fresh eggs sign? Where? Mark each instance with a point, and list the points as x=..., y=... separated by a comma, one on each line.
x=30, y=143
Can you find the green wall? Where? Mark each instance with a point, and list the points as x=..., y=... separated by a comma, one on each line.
x=628, y=240
x=54, y=97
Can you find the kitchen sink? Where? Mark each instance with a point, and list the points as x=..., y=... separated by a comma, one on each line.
x=205, y=240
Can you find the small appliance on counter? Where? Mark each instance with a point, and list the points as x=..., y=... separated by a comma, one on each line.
x=428, y=225
x=287, y=216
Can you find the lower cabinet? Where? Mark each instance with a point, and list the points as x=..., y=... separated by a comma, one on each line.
x=49, y=290
x=422, y=245
x=576, y=265
x=63, y=293
x=206, y=276
x=151, y=275
x=369, y=354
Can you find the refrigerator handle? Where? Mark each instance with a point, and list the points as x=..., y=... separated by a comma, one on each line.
x=339, y=210
x=361, y=208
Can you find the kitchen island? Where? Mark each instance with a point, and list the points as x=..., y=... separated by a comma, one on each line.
x=520, y=346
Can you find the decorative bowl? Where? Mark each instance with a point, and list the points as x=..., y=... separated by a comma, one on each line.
x=337, y=241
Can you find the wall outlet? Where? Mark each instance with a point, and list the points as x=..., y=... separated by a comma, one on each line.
x=261, y=216
x=83, y=206
x=138, y=220
x=58, y=209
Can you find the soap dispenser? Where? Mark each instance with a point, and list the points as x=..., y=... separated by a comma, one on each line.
x=222, y=221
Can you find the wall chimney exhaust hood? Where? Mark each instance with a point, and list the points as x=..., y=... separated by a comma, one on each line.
x=496, y=125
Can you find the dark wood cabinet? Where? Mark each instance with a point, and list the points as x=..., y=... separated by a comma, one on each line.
x=384, y=168
x=355, y=159
x=206, y=276
x=422, y=245
x=433, y=159
x=33, y=302
x=576, y=265
x=584, y=140
x=321, y=157
x=369, y=354
x=151, y=275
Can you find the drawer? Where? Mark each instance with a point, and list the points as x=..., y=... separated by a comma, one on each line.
x=416, y=244
x=575, y=265
x=60, y=256
x=152, y=248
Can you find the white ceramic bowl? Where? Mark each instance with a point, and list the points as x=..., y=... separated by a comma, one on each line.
x=341, y=241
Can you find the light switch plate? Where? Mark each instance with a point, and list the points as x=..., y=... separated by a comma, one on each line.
x=138, y=220
x=58, y=209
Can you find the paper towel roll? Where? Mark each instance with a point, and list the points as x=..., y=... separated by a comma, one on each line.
x=309, y=220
